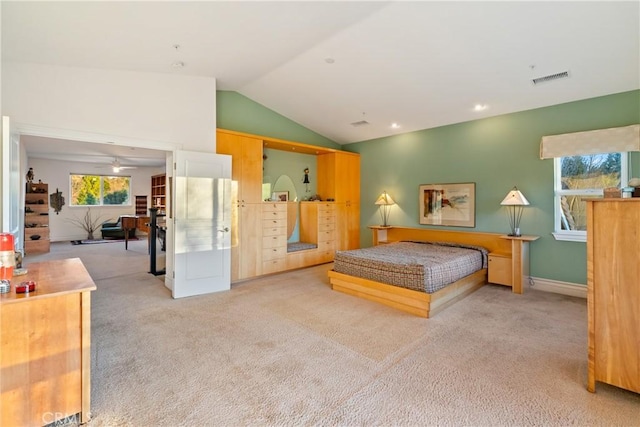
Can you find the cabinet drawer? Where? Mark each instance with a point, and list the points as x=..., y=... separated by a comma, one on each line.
x=330, y=226
x=325, y=236
x=326, y=208
x=274, y=231
x=500, y=269
x=274, y=222
x=266, y=215
x=326, y=256
x=274, y=265
x=269, y=254
x=326, y=245
x=274, y=207
x=326, y=219
x=274, y=241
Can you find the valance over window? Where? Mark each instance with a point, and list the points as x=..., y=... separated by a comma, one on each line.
x=611, y=140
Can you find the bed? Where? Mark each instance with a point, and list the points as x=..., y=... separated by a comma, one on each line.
x=403, y=274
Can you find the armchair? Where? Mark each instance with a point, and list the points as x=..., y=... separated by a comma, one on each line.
x=115, y=230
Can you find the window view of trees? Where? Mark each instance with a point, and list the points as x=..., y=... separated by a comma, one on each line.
x=90, y=190
x=596, y=171
x=585, y=176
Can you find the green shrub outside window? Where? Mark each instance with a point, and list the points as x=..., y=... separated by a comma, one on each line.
x=99, y=190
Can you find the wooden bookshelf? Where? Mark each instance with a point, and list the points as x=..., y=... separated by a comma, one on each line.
x=141, y=205
x=36, y=218
x=158, y=192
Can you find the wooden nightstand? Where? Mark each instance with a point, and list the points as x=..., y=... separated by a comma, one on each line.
x=379, y=234
x=519, y=263
x=500, y=269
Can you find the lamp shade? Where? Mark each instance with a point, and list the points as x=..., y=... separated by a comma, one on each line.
x=515, y=198
x=385, y=199
x=514, y=202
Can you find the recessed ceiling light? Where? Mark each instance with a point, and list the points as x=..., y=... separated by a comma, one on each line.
x=329, y=60
x=480, y=107
x=395, y=125
x=178, y=64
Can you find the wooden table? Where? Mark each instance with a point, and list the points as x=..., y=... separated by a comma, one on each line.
x=129, y=222
x=45, y=363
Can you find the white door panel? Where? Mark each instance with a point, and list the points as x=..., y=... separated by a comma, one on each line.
x=202, y=222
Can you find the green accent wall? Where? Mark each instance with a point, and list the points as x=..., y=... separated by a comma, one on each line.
x=496, y=153
x=239, y=113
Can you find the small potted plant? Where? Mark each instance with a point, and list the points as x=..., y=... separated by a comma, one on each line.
x=88, y=223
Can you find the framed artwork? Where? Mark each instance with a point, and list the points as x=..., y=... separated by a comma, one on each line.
x=448, y=204
x=280, y=196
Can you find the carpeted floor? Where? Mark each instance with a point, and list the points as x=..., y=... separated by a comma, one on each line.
x=286, y=350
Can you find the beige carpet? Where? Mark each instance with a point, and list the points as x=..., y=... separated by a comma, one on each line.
x=286, y=350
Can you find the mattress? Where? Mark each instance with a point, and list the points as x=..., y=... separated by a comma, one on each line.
x=420, y=266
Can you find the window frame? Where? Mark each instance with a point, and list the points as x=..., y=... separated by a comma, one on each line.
x=558, y=192
x=101, y=198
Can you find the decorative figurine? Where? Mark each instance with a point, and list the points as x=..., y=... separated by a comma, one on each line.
x=306, y=179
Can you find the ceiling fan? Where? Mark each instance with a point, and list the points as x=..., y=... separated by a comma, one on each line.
x=116, y=166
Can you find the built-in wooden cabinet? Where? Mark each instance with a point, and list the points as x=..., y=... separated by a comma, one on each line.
x=246, y=226
x=246, y=164
x=246, y=251
x=317, y=226
x=257, y=245
x=339, y=179
x=159, y=192
x=613, y=292
x=36, y=219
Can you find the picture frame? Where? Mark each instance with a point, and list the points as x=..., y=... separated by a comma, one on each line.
x=452, y=204
x=280, y=196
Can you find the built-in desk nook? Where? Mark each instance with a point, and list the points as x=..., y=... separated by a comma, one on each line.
x=46, y=346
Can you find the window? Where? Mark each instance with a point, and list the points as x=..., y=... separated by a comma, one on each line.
x=98, y=190
x=576, y=177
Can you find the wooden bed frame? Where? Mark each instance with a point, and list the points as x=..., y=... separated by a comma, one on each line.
x=421, y=303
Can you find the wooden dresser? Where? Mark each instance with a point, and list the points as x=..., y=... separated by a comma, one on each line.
x=613, y=292
x=46, y=346
x=274, y=237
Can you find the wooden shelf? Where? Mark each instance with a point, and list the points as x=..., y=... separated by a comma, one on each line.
x=36, y=218
x=158, y=191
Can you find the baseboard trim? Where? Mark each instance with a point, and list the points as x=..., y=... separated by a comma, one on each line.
x=558, y=287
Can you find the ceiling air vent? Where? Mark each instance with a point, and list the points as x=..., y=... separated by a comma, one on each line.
x=360, y=123
x=550, y=77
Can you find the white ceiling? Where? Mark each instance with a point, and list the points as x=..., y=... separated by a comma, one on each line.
x=420, y=64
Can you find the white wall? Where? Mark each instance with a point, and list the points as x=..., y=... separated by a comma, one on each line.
x=149, y=106
x=56, y=174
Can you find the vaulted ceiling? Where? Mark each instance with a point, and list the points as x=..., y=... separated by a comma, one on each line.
x=327, y=65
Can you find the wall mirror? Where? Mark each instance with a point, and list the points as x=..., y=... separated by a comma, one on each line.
x=284, y=184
